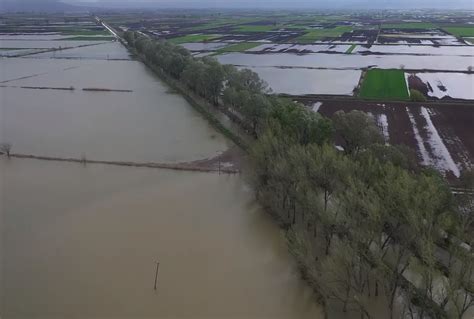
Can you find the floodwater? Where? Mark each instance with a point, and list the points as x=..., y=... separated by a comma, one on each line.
x=301, y=47
x=309, y=81
x=348, y=61
x=455, y=85
x=149, y=124
x=43, y=44
x=83, y=241
x=417, y=50
x=98, y=50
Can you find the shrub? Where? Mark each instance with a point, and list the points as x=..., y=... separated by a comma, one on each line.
x=417, y=96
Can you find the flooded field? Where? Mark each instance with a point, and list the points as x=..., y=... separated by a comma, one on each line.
x=331, y=61
x=440, y=85
x=97, y=51
x=86, y=242
x=147, y=124
x=43, y=44
x=416, y=50
x=83, y=241
x=308, y=81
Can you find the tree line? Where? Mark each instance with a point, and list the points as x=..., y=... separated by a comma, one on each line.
x=365, y=223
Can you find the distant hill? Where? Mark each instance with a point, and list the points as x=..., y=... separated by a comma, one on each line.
x=36, y=6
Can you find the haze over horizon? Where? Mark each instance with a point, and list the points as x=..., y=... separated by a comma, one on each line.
x=260, y=4
x=362, y=4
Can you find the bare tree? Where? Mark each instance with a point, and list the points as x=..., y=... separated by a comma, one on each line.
x=5, y=148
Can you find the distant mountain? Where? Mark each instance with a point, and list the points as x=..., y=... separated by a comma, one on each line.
x=36, y=5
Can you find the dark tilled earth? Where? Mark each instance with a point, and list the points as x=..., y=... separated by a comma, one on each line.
x=454, y=123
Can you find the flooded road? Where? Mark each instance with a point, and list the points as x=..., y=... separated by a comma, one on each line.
x=83, y=241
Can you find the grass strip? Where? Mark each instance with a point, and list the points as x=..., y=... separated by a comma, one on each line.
x=351, y=49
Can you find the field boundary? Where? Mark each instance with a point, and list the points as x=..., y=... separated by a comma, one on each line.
x=185, y=166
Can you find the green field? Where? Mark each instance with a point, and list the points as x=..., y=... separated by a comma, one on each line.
x=194, y=38
x=255, y=28
x=409, y=25
x=460, y=31
x=384, y=84
x=319, y=34
x=349, y=51
x=239, y=47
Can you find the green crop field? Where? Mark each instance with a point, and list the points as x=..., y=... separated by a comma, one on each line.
x=349, y=51
x=384, y=84
x=460, y=31
x=319, y=34
x=194, y=38
x=240, y=47
x=409, y=25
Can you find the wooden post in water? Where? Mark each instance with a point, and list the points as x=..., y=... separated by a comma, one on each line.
x=219, y=166
x=156, y=274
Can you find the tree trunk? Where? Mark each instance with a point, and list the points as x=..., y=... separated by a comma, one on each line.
x=294, y=213
x=326, y=195
x=348, y=290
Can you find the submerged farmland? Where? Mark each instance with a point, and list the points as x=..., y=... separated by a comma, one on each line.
x=352, y=61
x=82, y=239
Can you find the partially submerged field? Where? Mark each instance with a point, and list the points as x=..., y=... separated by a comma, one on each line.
x=313, y=46
x=440, y=135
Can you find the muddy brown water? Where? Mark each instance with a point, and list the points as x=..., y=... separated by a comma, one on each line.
x=82, y=241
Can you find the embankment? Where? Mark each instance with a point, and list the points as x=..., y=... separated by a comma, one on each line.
x=210, y=165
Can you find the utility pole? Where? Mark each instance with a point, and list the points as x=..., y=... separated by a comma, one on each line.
x=156, y=273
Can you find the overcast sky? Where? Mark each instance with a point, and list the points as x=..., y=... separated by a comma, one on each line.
x=469, y=4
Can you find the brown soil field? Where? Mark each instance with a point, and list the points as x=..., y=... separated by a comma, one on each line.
x=453, y=122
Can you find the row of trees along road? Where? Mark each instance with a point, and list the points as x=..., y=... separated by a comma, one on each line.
x=366, y=225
